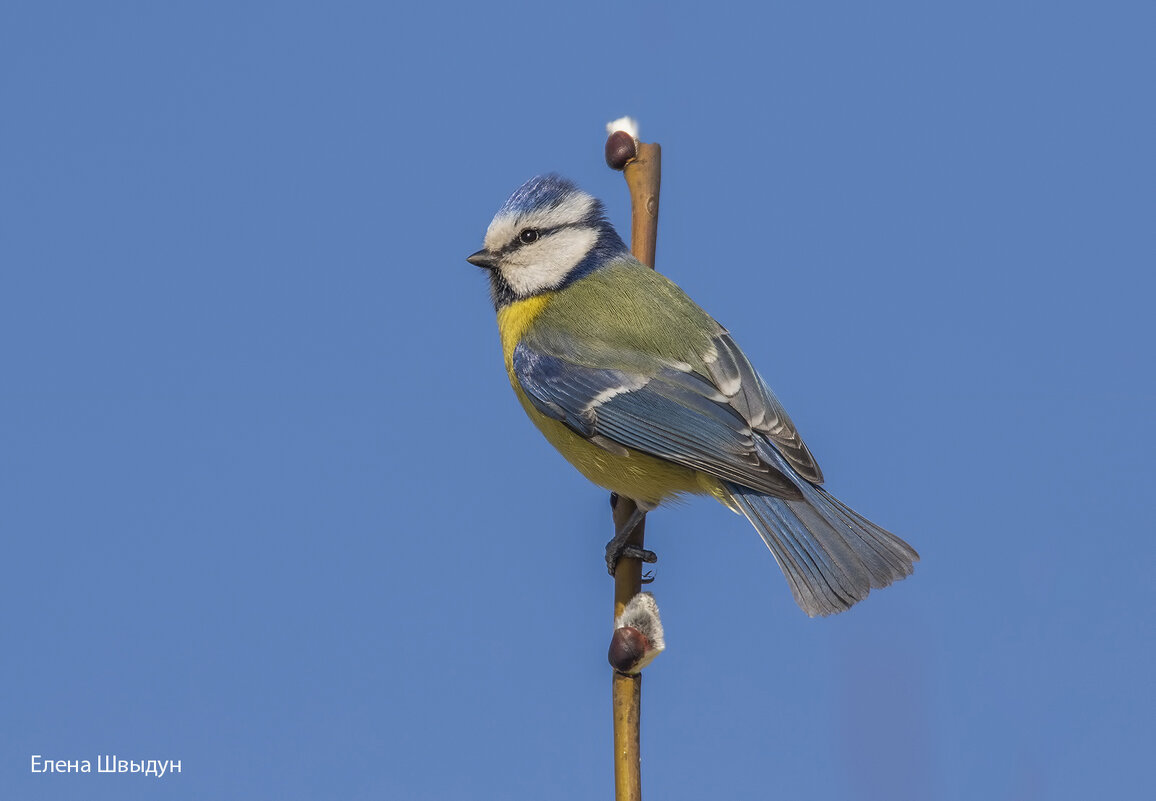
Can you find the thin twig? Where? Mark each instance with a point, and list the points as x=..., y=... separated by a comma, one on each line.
x=643, y=176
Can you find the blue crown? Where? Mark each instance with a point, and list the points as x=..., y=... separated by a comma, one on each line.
x=540, y=192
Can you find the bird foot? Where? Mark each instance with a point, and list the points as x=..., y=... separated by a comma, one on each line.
x=616, y=550
x=621, y=547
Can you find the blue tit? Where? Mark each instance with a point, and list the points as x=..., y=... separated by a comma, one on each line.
x=649, y=397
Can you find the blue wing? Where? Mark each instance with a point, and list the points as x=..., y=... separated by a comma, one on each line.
x=750, y=396
x=674, y=414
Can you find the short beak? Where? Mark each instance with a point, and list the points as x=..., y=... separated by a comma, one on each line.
x=483, y=258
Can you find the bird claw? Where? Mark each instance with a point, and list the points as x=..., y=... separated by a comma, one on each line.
x=616, y=550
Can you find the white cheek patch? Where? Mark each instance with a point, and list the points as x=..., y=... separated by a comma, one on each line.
x=545, y=263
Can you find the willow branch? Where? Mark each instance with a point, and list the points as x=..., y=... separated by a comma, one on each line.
x=643, y=177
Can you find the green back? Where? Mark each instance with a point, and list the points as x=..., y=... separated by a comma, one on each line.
x=623, y=316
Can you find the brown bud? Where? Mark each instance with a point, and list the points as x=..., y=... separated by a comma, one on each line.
x=627, y=647
x=621, y=149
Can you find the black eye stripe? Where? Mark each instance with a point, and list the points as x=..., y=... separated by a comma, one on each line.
x=541, y=233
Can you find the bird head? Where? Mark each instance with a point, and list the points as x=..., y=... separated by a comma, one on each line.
x=547, y=235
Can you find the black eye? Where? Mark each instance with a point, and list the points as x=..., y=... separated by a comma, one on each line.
x=528, y=235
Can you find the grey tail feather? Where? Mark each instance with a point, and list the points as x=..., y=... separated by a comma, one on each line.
x=831, y=555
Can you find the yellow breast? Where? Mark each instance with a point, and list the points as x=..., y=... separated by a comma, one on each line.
x=634, y=475
x=513, y=320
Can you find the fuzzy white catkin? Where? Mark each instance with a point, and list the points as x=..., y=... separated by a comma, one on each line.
x=628, y=124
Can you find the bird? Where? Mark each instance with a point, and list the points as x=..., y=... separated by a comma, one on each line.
x=648, y=396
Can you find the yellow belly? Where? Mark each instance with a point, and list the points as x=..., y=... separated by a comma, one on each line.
x=636, y=475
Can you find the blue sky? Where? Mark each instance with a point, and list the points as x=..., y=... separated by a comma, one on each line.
x=270, y=508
